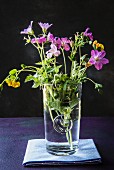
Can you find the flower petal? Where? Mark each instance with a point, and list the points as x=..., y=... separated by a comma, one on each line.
x=66, y=47
x=101, y=54
x=98, y=65
x=53, y=46
x=49, y=55
x=57, y=53
x=92, y=60
x=105, y=61
x=94, y=53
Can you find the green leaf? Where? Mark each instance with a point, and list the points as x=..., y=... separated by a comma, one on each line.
x=23, y=65
x=74, y=102
x=13, y=77
x=1, y=87
x=57, y=69
x=83, y=57
x=38, y=63
x=29, y=78
x=14, y=71
x=36, y=84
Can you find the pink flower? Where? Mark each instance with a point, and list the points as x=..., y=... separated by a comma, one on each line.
x=88, y=34
x=50, y=37
x=97, y=59
x=28, y=30
x=58, y=43
x=63, y=42
x=39, y=40
x=53, y=51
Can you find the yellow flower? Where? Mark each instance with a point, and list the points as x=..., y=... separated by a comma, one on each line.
x=15, y=84
x=12, y=83
x=98, y=46
x=94, y=42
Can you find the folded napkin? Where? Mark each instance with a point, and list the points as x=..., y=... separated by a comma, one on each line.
x=36, y=154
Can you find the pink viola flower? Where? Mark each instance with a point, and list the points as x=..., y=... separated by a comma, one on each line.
x=88, y=34
x=58, y=42
x=97, y=59
x=28, y=30
x=34, y=40
x=39, y=40
x=53, y=51
x=44, y=26
x=50, y=37
x=63, y=42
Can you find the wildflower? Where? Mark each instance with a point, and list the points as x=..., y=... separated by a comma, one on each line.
x=13, y=83
x=50, y=37
x=63, y=42
x=98, y=46
x=97, y=59
x=28, y=30
x=94, y=43
x=38, y=40
x=88, y=34
x=44, y=26
x=53, y=51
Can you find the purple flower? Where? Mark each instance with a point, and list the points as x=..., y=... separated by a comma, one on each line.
x=28, y=30
x=97, y=59
x=53, y=51
x=88, y=34
x=44, y=26
x=39, y=40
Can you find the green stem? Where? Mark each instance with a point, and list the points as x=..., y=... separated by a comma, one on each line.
x=70, y=139
x=80, y=54
x=64, y=60
x=90, y=80
x=4, y=80
x=22, y=70
x=51, y=115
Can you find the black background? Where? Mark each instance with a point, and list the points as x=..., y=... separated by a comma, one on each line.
x=67, y=17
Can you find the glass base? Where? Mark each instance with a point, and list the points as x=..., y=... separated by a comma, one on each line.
x=61, y=149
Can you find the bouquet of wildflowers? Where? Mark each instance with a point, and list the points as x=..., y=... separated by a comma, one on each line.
x=61, y=87
x=48, y=70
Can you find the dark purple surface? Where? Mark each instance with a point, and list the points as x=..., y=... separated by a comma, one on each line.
x=15, y=132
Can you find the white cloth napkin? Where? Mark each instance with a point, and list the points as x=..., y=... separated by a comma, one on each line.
x=36, y=154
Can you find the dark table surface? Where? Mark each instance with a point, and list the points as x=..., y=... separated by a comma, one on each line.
x=15, y=132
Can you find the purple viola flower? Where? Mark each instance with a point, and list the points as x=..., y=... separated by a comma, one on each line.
x=97, y=59
x=39, y=40
x=53, y=51
x=28, y=30
x=88, y=34
x=44, y=26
